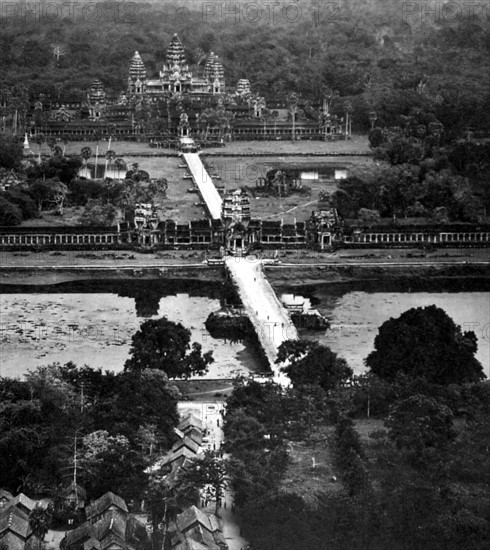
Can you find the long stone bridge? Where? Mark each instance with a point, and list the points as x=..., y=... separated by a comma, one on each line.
x=205, y=184
x=269, y=317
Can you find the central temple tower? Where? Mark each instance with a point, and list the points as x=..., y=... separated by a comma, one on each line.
x=175, y=77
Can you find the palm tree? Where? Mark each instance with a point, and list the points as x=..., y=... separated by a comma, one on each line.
x=86, y=154
x=65, y=139
x=267, y=116
x=39, y=139
x=39, y=522
x=274, y=117
x=119, y=164
x=51, y=142
x=97, y=138
x=293, y=100
x=348, y=121
x=110, y=155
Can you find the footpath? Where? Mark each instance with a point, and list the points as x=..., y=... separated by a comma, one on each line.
x=210, y=413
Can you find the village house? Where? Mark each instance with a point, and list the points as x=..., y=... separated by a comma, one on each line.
x=190, y=422
x=113, y=529
x=75, y=495
x=187, y=443
x=195, y=529
x=176, y=459
x=8, y=178
x=109, y=502
x=22, y=503
x=15, y=531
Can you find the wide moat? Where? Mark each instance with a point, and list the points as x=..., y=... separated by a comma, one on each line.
x=92, y=323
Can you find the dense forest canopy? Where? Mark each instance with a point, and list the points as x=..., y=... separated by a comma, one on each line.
x=374, y=53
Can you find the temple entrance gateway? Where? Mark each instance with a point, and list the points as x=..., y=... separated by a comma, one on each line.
x=325, y=240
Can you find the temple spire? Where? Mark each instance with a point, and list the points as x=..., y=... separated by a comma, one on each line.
x=137, y=70
x=175, y=52
x=213, y=68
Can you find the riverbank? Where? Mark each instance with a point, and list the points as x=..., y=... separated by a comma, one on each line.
x=295, y=268
x=419, y=276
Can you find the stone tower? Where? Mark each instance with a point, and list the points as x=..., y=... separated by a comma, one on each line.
x=96, y=99
x=175, y=52
x=96, y=92
x=137, y=75
x=243, y=87
x=213, y=71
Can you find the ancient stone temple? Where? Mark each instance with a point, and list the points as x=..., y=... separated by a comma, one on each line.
x=236, y=217
x=137, y=75
x=175, y=77
x=96, y=99
x=146, y=223
x=243, y=88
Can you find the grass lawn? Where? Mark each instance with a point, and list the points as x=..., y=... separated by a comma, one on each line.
x=358, y=143
x=50, y=218
x=179, y=205
x=311, y=469
x=312, y=463
x=234, y=171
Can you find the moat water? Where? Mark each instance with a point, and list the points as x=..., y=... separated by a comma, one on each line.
x=356, y=316
x=82, y=325
x=95, y=329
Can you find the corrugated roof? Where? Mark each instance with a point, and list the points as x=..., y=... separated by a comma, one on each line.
x=21, y=500
x=14, y=520
x=190, y=421
x=103, y=503
x=186, y=442
x=111, y=523
x=84, y=532
x=190, y=516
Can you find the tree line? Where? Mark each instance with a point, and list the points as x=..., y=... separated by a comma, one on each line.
x=419, y=482
x=53, y=183
x=385, y=69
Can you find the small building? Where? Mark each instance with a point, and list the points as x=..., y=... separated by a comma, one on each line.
x=195, y=435
x=81, y=538
x=194, y=529
x=75, y=495
x=106, y=503
x=22, y=503
x=187, y=443
x=15, y=531
x=112, y=532
x=176, y=459
x=190, y=422
x=8, y=179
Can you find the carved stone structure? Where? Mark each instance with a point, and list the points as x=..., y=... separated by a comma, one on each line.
x=175, y=77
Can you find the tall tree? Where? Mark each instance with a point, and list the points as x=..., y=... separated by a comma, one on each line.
x=309, y=363
x=420, y=422
x=292, y=102
x=164, y=345
x=426, y=342
x=40, y=521
x=209, y=473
